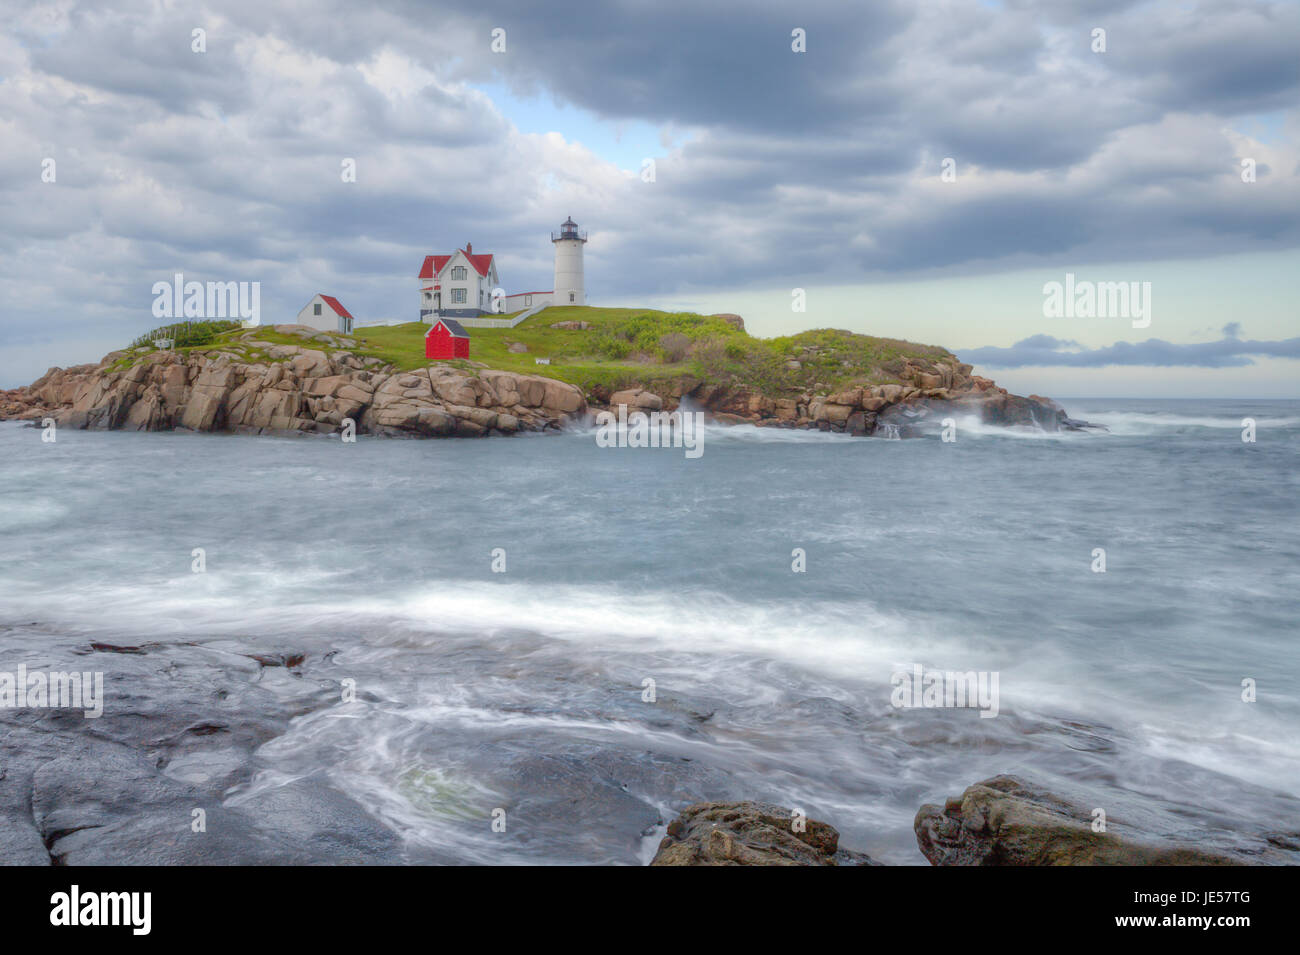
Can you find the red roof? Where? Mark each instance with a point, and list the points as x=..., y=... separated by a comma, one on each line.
x=433, y=264
x=335, y=304
x=480, y=262
x=450, y=326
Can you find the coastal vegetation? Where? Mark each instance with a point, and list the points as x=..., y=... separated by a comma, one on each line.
x=614, y=348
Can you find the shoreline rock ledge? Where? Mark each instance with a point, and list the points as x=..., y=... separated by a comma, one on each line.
x=289, y=389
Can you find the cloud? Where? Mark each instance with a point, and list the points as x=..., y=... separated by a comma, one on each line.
x=1046, y=351
x=795, y=168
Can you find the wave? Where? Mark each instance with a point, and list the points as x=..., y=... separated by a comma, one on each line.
x=717, y=433
x=1153, y=422
x=29, y=512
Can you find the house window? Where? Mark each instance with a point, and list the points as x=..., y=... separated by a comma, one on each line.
x=427, y=296
x=458, y=272
x=315, y=309
x=528, y=300
x=458, y=296
x=570, y=296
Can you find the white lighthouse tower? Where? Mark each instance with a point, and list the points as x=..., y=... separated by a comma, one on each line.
x=570, y=285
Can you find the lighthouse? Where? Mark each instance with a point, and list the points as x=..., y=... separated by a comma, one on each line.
x=570, y=285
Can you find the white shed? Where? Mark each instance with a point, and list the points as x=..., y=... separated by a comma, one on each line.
x=326, y=313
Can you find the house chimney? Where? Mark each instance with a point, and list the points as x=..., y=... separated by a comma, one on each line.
x=469, y=247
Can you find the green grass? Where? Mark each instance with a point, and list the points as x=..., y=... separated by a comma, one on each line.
x=627, y=346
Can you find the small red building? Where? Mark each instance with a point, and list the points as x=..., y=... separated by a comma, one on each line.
x=446, y=339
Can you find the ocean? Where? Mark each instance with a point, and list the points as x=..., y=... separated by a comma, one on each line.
x=538, y=650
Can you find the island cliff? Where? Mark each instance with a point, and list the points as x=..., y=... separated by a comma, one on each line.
x=290, y=378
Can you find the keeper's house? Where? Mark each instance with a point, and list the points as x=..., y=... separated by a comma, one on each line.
x=446, y=339
x=458, y=285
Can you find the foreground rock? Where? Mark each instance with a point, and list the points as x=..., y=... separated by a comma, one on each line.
x=750, y=833
x=1007, y=821
x=257, y=387
x=182, y=725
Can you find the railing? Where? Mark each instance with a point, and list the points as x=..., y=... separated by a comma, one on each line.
x=579, y=234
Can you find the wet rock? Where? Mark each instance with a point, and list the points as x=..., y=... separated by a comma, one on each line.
x=750, y=833
x=180, y=729
x=636, y=399
x=1008, y=821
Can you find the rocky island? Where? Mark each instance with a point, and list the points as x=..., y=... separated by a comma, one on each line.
x=294, y=379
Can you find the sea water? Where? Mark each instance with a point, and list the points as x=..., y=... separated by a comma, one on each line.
x=552, y=647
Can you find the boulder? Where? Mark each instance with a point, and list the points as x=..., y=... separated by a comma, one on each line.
x=455, y=389
x=1008, y=821
x=357, y=391
x=787, y=409
x=331, y=384
x=480, y=416
x=560, y=396
x=203, y=411
x=531, y=391
x=397, y=415
x=636, y=399
x=750, y=833
x=435, y=423
x=890, y=393
x=722, y=417
x=502, y=386
x=837, y=414
x=310, y=363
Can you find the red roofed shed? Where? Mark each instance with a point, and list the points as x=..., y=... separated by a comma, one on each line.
x=446, y=339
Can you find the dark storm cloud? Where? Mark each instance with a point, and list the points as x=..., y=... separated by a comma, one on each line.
x=724, y=63
x=1046, y=351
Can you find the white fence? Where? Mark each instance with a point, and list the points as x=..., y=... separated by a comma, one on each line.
x=501, y=322
x=465, y=322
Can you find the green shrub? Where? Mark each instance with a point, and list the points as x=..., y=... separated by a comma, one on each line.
x=188, y=334
x=673, y=347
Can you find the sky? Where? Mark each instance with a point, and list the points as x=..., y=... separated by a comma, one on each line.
x=919, y=170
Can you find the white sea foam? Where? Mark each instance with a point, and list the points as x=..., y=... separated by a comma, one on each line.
x=1143, y=423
